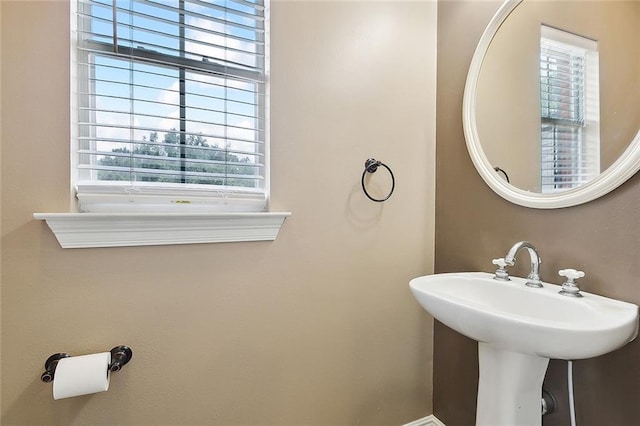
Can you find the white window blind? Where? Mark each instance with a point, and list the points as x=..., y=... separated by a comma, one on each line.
x=569, y=110
x=170, y=105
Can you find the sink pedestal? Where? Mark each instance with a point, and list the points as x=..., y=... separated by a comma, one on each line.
x=510, y=387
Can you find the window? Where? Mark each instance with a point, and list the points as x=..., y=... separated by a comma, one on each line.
x=170, y=105
x=569, y=101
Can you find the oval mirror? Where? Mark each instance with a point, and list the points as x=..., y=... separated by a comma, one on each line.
x=551, y=108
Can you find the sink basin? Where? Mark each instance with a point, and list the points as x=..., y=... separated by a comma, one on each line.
x=535, y=321
x=518, y=328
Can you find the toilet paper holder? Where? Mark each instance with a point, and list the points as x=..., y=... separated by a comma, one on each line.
x=120, y=355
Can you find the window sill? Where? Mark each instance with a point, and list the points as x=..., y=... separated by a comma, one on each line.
x=88, y=230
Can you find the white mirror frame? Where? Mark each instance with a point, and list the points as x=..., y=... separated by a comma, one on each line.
x=622, y=169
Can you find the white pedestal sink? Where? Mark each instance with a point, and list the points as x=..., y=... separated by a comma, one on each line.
x=518, y=328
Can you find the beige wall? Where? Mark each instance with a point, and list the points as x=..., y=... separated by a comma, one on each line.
x=474, y=225
x=318, y=327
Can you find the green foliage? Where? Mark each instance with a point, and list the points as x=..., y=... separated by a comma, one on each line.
x=150, y=158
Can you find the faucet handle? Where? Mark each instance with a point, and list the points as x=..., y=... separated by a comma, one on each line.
x=569, y=287
x=501, y=272
x=500, y=262
x=571, y=274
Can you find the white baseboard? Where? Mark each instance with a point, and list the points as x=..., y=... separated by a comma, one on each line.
x=426, y=421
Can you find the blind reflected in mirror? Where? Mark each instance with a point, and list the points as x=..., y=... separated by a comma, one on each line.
x=569, y=110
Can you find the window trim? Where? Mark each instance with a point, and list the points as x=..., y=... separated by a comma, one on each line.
x=92, y=230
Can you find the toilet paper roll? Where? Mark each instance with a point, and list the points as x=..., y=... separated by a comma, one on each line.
x=81, y=375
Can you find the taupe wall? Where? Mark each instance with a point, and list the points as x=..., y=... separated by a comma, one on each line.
x=318, y=327
x=473, y=225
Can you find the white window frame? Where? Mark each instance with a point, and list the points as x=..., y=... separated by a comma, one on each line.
x=557, y=172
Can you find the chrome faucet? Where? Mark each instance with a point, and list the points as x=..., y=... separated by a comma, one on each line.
x=533, y=280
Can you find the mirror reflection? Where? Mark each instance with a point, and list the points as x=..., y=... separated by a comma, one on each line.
x=558, y=94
